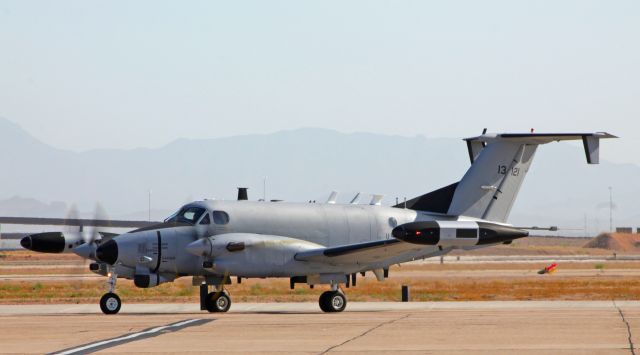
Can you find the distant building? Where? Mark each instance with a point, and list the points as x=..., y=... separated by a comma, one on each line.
x=624, y=230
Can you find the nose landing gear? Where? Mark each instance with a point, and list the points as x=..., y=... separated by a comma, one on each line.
x=110, y=303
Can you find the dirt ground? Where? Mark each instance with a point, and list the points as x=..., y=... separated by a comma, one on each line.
x=27, y=277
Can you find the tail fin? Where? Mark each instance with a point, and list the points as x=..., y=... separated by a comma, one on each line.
x=499, y=164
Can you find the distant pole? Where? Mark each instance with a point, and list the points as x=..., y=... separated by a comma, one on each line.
x=610, y=209
x=264, y=189
x=585, y=225
x=149, y=205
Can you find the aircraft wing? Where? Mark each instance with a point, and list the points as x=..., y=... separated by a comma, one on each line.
x=364, y=253
x=75, y=222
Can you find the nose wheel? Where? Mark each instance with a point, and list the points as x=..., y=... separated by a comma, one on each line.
x=110, y=303
x=333, y=301
x=218, y=301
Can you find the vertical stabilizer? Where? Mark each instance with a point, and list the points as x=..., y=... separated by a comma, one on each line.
x=500, y=163
x=490, y=186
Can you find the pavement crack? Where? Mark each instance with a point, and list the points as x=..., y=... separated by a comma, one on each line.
x=626, y=323
x=365, y=333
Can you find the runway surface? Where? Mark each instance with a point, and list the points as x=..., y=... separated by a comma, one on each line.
x=603, y=327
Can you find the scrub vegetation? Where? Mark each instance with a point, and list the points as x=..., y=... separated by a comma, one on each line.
x=28, y=277
x=427, y=282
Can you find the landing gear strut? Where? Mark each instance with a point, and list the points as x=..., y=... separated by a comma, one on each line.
x=110, y=303
x=333, y=301
x=218, y=301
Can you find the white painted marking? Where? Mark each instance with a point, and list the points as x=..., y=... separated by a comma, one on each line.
x=127, y=337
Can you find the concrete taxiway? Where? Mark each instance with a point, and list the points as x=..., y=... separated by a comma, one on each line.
x=605, y=327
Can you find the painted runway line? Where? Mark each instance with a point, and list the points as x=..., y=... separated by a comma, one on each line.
x=147, y=333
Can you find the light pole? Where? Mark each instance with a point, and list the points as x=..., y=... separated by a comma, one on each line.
x=610, y=209
x=264, y=189
x=149, y=205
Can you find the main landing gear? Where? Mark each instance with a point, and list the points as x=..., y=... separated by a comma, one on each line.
x=110, y=303
x=218, y=301
x=333, y=301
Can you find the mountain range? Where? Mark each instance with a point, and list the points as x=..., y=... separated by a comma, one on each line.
x=299, y=165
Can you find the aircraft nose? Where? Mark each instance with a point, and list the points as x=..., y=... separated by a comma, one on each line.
x=108, y=252
x=26, y=242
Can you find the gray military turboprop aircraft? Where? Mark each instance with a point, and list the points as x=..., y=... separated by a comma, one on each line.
x=317, y=243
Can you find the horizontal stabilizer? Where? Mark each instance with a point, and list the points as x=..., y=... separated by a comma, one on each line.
x=591, y=141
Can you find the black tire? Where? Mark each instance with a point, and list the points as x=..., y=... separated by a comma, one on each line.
x=324, y=301
x=218, y=302
x=333, y=301
x=110, y=303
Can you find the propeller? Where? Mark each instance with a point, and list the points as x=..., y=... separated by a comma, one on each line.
x=95, y=237
x=92, y=239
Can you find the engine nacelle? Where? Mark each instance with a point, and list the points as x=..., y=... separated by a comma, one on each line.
x=52, y=242
x=456, y=233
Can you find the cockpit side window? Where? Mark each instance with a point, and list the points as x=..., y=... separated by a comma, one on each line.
x=220, y=217
x=205, y=219
x=187, y=215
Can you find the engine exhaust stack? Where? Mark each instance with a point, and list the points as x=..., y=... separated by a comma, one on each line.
x=242, y=193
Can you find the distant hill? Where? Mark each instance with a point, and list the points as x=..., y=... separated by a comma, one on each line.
x=302, y=165
x=623, y=242
x=17, y=206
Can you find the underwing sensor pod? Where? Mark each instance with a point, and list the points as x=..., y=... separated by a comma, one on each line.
x=52, y=242
x=456, y=233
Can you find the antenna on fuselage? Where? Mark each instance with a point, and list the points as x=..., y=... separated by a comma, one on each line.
x=376, y=200
x=355, y=199
x=333, y=198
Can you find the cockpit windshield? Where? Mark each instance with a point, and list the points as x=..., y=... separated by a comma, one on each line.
x=187, y=214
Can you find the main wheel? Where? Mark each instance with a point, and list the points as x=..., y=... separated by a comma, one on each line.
x=110, y=303
x=218, y=302
x=324, y=301
x=333, y=301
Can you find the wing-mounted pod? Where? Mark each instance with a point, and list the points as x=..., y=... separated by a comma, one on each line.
x=456, y=233
x=248, y=254
x=52, y=242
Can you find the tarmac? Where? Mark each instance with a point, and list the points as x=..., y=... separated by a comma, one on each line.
x=550, y=327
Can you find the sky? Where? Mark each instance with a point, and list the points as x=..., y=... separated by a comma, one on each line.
x=82, y=75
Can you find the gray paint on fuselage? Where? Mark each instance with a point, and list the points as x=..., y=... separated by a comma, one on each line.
x=324, y=224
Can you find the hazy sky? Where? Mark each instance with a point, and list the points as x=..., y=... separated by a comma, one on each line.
x=121, y=74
